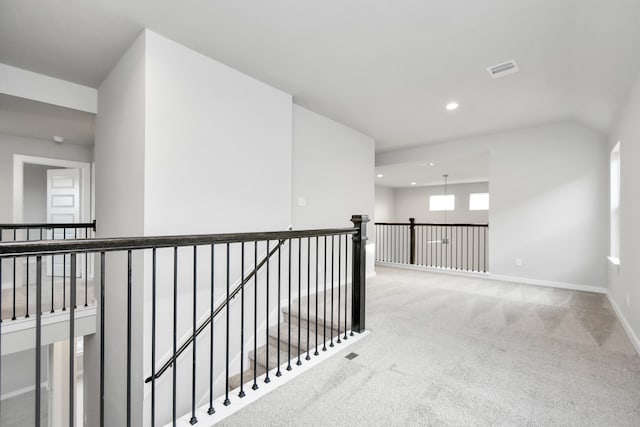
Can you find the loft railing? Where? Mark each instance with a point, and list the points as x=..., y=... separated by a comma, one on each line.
x=245, y=280
x=19, y=277
x=158, y=255
x=461, y=247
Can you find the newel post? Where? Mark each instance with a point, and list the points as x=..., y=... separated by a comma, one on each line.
x=359, y=273
x=412, y=241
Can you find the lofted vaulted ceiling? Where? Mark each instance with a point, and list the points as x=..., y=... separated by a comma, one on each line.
x=384, y=67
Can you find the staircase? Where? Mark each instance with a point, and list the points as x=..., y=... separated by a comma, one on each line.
x=307, y=319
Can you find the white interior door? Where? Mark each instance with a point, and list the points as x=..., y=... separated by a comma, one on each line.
x=63, y=206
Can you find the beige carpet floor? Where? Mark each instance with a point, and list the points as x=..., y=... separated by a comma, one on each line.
x=449, y=350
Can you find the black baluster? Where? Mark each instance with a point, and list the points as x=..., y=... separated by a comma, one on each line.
x=299, y=362
x=266, y=378
x=174, y=360
x=14, y=281
x=211, y=409
x=227, y=402
x=324, y=306
x=316, y=330
x=27, y=287
x=129, y=303
x=153, y=335
x=332, y=282
x=278, y=373
x=346, y=285
x=194, y=419
x=64, y=274
x=38, y=388
x=289, y=318
x=53, y=275
x=102, y=331
x=242, y=393
x=86, y=271
x=1, y=260
x=74, y=296
x=308, y=293
x=339, y=341
x=255, y=314
x=72, y=350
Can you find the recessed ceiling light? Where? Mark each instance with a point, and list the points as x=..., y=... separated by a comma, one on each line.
x=452, y=106
x=58, y=139
x=379, y=175
x=428, y=164
x=413, y=183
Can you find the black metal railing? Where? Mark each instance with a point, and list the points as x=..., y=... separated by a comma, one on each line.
x=122, y=265
x=19, y=277
x=461, y=247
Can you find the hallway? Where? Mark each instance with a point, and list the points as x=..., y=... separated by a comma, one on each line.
x=450, y=350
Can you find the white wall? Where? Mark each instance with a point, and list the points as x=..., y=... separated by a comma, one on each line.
x=18, y=373
x=384, y=204
x=414, y=203
x=626, y=280
x=119, y=171
x=184, y=145
x=332, y=172
x=548, y=200
x=218, y=146
x=333, y=175
x=218, y=149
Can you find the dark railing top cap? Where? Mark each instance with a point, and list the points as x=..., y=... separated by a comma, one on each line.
x=48, y=225
x=120, y=244
x=433, y=223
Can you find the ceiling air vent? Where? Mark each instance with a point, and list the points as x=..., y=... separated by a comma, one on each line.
x=503, y=69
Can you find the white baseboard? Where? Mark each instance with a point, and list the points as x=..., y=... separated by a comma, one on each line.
x=625, y=324
x=223, y=411
x=18, y=392
x=549, y=283
x=433, y=269
x=502, y=278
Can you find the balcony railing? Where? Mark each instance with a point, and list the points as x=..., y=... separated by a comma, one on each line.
x=159, y=285
x=462, y=247
x=18, y=275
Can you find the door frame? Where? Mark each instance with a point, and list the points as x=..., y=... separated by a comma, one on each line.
x=19, y=161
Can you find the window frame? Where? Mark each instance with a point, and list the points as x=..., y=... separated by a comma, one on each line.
x=479, y=194
x=443, y=197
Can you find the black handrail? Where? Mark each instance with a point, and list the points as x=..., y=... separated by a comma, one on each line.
x=453, y=224
x=49, y=247
x=49, y=225
x=207, y=321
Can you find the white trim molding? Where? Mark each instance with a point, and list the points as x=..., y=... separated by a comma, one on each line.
x=635, y=341
x=502, y=278
x=549, y=283
x=223, y=411
x=19, y=161
x=39, y=87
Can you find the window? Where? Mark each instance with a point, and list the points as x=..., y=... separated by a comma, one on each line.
x=614, y=253
x=442, y=203
x=479, y=201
